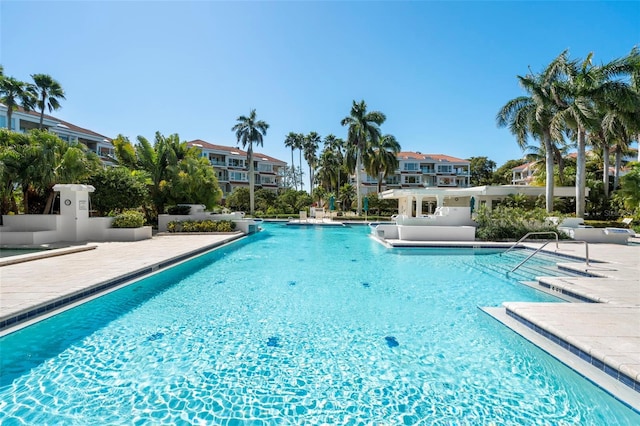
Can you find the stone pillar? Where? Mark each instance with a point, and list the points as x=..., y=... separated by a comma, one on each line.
x=74, y=210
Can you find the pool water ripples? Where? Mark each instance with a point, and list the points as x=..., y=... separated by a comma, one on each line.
x=229, y=340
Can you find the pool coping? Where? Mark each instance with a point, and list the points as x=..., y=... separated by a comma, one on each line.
x=45, y=253
x=572, y=359
x=25, y=317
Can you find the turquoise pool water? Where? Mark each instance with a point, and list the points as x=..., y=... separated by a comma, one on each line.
x=9, y=252
x=299, y=326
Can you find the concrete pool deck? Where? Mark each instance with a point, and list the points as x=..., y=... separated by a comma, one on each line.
x=605, y=336
x=31, y=289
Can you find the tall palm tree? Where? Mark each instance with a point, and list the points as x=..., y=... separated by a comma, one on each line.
x=332, y=162
x=49, y=92
x=532, y=115
x=311, y=144
x=584, y=88
x=250, y=130
x=13, y=93
x=299, y=145
x=291, y=141
x=363, y=127
x=382, y=159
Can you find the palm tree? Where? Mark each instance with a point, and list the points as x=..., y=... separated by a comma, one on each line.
x=533, y=115
x=363, y=128
x=14, y=93
x=299, y=145
x=291, y=141
x=49, y=92
x=311, y=144
x=250, y=130
x=584, y=88
x=382, y=159
x=330, y=163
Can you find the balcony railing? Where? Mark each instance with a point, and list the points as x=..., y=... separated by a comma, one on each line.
x=218, y=163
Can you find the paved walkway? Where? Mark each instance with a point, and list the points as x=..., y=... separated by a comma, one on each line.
x=31, y=289
x=604, y=334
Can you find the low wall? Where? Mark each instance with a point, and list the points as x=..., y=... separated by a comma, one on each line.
x=248, y=226
x=30, y=222
x=19, y=238
x=436, y=233
x=598, y=235
x=388, y=232
x=43, y=229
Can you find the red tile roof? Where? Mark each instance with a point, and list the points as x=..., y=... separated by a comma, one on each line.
x=406, y=155
x=234, y=150
x=70, y=126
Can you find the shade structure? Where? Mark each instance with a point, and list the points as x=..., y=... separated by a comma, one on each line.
x=366, y=204
x=332, y=203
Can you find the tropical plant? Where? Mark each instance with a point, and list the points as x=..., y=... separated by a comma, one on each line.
x=346, y=195
x=584, y=90
x=363, y=128
x=629, y=192
x=291, y=141
x=193, y=180
x=168, y=180
x=250, y=130
x=128, y=219
x=239, y=199
x=381, y=159
x=311, y=144
x=481, y=170
x=532, y=116
x=38, y=160
x=14, y=93
x=511, y=223
x=48, y=92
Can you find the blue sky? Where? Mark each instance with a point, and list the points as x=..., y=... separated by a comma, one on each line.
x=438, y=70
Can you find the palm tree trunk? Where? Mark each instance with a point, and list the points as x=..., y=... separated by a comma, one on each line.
x=581, y=180
x=293, y=171
x=358, y=161
x=549, y=167
x=558, y=156
x=618, y=160
x=605, y=171
x=251, y=179
x=300, y=165
x=44, y=98
x=9, y=114
x=379, y=182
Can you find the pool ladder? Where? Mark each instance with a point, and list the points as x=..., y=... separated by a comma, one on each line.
x=586, y=246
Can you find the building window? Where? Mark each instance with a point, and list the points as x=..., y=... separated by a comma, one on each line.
x=238, y=176
x=236, y=162
x=411, y=167
x=445, y=168
x=411, y=179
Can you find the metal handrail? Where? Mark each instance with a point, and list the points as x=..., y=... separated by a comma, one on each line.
x=527, y=235
x=586, y=251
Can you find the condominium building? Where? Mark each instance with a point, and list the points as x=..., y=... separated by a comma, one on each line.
x=523, y=174
x=232, y=170
x=23, y=121
x=416, y=170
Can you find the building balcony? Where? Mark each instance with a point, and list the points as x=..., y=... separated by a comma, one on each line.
x=218, y=163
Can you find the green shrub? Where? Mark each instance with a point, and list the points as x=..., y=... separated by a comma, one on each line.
x=128, y=219
x=179, y=210
x=201, y=226
x=512, y=223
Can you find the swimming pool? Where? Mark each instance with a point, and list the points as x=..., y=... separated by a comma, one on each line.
x=298, y=326
x=10, y=252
